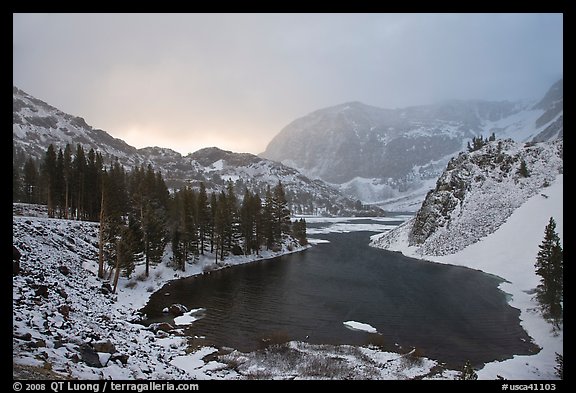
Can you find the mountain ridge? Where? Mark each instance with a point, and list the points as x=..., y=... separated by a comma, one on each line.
x=377, y=154
x=37, y=124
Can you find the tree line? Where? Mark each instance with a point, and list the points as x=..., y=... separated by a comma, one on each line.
x=139, y=217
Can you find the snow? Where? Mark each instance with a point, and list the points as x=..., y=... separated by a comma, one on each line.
x=188, y=317
x=46, y=244
x=193, y=361
x=520, y=126
x=349, y=227
x=95, y=316
x=299, y=360
x=510, y=253
x=360, y=326
x=58, y=334
x=350, y=224
x=314, y=241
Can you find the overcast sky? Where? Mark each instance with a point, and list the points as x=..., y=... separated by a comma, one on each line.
x=187, y=81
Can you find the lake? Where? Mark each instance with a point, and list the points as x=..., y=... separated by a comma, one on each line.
x=449, y=313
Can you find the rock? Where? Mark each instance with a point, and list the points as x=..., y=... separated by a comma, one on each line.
x=64, y=270
x=15, y=261
x=122, y=358
x=164, y=326
x=25, y=336
x=106, y=288
x=177, y=309
x=165, y=310
x=64, y=309
x=41, y=290
x=39, y=344
x=75, y=358
x=41, y=356
x=15, y=254
x=104, y=346
x=62, y=292
x=89, y=356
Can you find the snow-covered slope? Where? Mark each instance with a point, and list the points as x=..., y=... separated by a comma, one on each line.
x=496, y=227
x=379, y=155
x=478, y=191
x=36, y=125
x=66, y=320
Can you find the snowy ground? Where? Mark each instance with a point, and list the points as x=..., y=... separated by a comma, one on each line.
x=66, y=321
x=509, y=252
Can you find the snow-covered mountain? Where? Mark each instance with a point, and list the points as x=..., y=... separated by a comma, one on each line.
x=485, y=214
x=477, y=192
x=384, y=155
x=36, y=125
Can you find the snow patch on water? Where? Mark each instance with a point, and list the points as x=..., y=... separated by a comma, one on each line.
x=360, y=326
x=188, y=317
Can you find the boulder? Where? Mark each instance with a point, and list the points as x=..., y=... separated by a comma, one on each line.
x=177, y=309
x=25, y=336
x=64, y=270
x=123, y=358
x=89, y=356
x=104, y=346
x=41, y=290
x=38, y=344
x=64, y=309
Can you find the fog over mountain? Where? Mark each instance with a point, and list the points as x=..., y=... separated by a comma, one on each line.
x=382, y=155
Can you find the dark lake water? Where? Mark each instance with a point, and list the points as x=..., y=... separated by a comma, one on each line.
x=448, y=313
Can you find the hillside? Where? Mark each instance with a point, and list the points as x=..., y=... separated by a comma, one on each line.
x=485, y=216
x=478, y=191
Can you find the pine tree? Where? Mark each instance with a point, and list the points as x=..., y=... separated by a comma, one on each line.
x=281, y=213
x=60, y=183
x=549, y=266
x=49, y=176
x=523, y=170
x=468, y=373
x=31, y=184
x=16, y=185
x=559, y=368
x=233, y=234
x=204, y=218
x=111, y=223
x=268, y=222
x=299, y=231
x=92, y=183
x=67, y=174
x=133, y=237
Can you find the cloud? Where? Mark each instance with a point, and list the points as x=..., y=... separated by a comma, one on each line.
x=193, y=80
